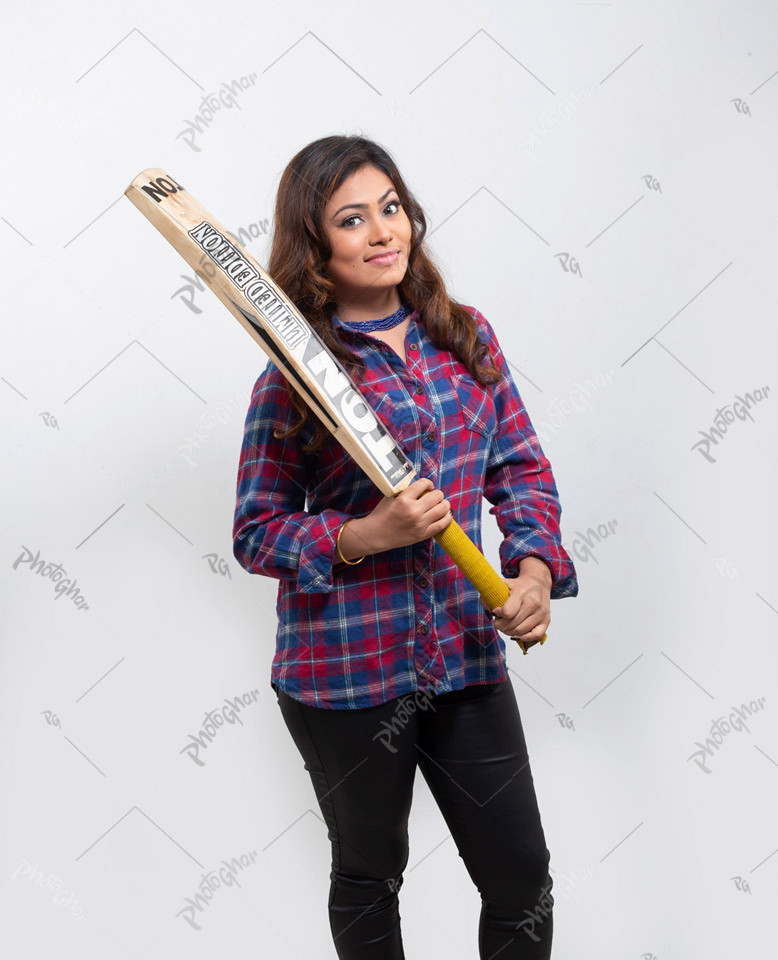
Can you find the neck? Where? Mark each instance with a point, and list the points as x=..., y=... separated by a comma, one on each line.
x=383, y=304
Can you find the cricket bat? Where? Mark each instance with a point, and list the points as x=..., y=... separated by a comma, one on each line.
x=275, y=323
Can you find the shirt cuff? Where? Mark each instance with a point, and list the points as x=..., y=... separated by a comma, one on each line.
x=317, y=556
x=514, y=564
x=564, y=581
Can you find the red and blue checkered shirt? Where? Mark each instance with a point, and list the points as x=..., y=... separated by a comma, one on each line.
x=405, y=619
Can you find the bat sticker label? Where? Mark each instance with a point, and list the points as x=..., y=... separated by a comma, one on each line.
x=303, y=343
x=161, y=187
x=254, y=288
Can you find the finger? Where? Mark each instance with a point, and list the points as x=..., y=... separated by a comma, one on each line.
x=510, y=609
x=534, y=633
x=529, y=615
x=520, y=627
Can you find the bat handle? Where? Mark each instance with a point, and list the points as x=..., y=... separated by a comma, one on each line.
x=466, y=555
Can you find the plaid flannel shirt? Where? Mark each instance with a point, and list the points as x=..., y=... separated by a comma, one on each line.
x=405, y=619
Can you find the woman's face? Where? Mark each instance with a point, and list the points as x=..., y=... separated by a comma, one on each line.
x=369, y=233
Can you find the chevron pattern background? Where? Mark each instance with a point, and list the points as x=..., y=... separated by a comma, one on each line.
x=600, y=182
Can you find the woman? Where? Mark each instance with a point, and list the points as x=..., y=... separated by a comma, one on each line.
x=385, y=656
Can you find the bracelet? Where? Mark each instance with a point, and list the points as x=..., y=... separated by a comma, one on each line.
x=351, y=563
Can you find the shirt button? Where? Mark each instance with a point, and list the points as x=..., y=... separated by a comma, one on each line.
x=424, y=629
x=419, y=388
x=414, y=346
x=423, y=582
x=431, y=435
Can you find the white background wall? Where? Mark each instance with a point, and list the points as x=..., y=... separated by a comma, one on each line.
x=600, y=182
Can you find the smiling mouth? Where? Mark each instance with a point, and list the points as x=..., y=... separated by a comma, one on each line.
x=389, y=257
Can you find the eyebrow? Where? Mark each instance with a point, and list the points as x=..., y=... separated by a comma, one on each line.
x=362, y=206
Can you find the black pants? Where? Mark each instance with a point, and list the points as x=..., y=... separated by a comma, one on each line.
x=471, y=749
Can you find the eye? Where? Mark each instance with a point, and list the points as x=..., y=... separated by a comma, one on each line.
x=355, y=216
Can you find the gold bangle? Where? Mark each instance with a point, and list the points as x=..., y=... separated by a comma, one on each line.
x=351, y=563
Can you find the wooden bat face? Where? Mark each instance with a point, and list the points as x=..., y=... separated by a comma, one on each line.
x=276, y=324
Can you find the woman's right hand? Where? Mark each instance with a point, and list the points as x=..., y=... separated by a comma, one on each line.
x=416, y=513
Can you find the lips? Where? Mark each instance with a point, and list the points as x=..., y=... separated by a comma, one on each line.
x=386, y=256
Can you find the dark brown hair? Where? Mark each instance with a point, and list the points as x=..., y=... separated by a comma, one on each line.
x=300, y=249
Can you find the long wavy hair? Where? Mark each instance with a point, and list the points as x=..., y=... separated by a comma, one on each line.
x=300, y=249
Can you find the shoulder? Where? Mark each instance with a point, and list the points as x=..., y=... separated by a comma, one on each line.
x=270, y=402
x=271, y=406
x=270, y=386
x=485, y=330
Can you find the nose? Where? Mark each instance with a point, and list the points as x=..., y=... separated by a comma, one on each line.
x=379, y=232
x=379, y=239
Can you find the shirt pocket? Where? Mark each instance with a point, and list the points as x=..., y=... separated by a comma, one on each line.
x=477, y=404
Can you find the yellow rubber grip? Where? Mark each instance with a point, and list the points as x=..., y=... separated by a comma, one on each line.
x=466, y=555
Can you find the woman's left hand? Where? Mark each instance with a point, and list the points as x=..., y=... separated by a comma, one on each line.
x=526, y=614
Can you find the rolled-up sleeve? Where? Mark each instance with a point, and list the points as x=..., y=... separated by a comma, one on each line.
x=520, y=485
x=273, y=535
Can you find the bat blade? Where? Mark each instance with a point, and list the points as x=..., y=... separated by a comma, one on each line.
x=275, y=323
x=277, y=326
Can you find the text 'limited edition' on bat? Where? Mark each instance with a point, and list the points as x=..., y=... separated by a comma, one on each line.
x=276, y=324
